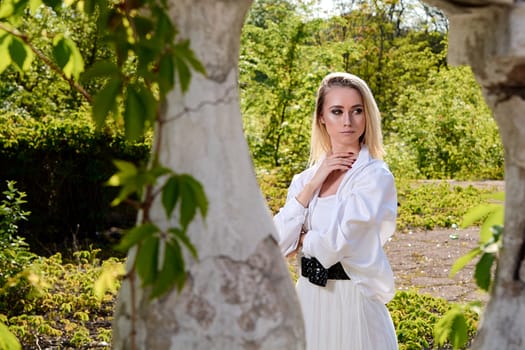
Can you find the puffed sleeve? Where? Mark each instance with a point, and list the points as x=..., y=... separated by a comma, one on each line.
x=290, y=218
x=358, y=227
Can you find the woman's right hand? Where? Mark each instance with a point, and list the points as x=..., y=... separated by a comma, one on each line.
x=341, y=161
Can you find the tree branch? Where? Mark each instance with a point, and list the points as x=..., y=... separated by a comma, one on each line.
x=47, y=60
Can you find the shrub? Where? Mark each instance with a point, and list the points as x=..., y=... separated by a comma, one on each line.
x=15, y=257
x=435, y=204
x=439, y=133
x=62, y=165
x=415, y=316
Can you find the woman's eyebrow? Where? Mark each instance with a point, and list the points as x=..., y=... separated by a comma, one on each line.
x=341, y=106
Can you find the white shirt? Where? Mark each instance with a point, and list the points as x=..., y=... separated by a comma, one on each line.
x=362, y=219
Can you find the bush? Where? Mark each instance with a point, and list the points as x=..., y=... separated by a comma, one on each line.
x=15, y=257
x=415, y=316
x=62, y=165
x=435, y=204
x=445, y=131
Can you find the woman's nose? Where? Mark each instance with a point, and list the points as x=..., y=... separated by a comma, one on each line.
x=347, y=119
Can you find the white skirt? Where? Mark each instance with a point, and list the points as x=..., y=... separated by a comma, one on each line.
x=339, y=317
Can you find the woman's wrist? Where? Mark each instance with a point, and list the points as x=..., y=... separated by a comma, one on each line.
x=306, y=195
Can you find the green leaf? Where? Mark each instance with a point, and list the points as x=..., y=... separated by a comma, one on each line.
x=102, y=69
x=495, y=217
x=20, y=55
x=183, y=58
x=452, y=327
x=173, y=270
x=183, y=73
x=198, y=193
x=166, y=74
x=170, y=195
x=136, y=235
x=126, y=170
x=483, y=271
x=68, y=57
x=8, y=340
x=105, y=101
x=5, y=57
x=146, y=261
x=54, y=4
x=181, y=236
x=464, y=260
x=477, y=213
x=34, y=5
x=89, y=6
x=192, y=197
x=135, y=114
x=107, y=280
x=12, y=9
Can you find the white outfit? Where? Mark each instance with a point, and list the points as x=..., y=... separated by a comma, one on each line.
x=349, y=227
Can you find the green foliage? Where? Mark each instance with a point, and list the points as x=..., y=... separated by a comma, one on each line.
x=415, y=316
x=147, y=237
x=435, y=204
x=455, y=327
x=66, y=311
x=491, y=215
x=15, y=257
x=452, y=326
x=438, y=133
x=62, y=165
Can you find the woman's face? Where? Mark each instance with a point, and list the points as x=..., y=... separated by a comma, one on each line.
x=343, y=115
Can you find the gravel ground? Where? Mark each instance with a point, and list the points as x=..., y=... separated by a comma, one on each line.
x=422, y=261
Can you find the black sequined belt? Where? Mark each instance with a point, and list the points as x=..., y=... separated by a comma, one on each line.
x=318, y=275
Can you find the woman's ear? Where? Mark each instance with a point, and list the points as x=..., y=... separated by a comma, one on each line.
x=321, y=119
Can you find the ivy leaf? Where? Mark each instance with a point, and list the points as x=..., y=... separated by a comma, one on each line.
x=166, y=74
x=464, y=260
x=20, y=55
x=170, y=195
x=146, y=261
x=34, y=5
x=126, y=170
x=173, y=270
x=495, y=217
x=102, y=69
x=192, y=197
x=183, y=57
x=482, y=273
x=136, y=235
x=135, y=114
x=7, y=339
x=181, y=236
x=452, y=327
x=5, y=57
x=68, y=57
x=54, y=4
x=12, y=8
x=105, y=101
x=128, y=178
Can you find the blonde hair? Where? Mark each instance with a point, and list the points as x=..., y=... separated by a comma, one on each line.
x=320, y=142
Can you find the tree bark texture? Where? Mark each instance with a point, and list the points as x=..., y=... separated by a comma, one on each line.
x=490, y=37
x=239, y=294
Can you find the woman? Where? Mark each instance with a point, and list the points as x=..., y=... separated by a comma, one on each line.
x=341, y=210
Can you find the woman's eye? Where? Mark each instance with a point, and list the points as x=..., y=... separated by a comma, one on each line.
x=357, y=111
x=337, y=111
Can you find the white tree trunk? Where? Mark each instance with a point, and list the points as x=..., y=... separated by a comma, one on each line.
x=491, y=39
x=239, y=294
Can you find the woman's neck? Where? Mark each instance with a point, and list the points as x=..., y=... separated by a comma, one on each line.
x=346, y=148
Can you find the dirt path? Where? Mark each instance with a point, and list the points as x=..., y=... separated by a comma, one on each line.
x=422, y=261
